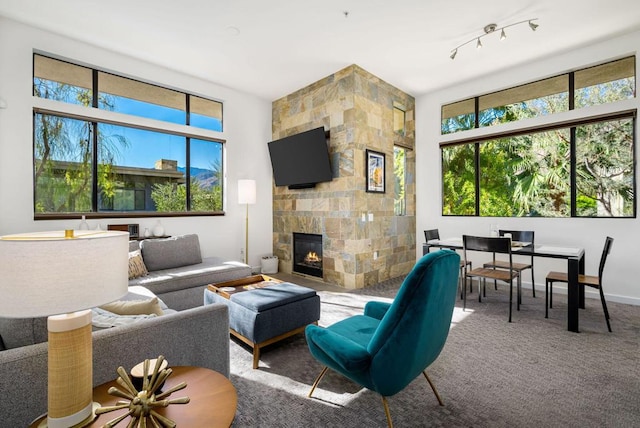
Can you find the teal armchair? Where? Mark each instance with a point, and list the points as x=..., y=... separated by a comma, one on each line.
x=388, y=346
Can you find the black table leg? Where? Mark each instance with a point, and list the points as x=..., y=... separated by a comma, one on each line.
x=581, y=287
x=573, y=293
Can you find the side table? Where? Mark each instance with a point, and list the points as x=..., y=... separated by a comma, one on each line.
x=213, y=400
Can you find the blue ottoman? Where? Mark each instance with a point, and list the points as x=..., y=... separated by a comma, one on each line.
x=267, y=315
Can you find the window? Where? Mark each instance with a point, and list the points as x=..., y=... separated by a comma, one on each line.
x=580, y=168
x=399, y=120
x=531, y=174
x=602, y=84
x=458, y=180
x=83, y=164
x=399, y=180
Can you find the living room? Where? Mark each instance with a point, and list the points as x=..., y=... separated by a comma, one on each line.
x=248, y=128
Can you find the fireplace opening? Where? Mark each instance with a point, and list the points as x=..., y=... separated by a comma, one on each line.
x=307, y=254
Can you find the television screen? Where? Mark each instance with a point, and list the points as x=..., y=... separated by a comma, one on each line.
x=302, y=160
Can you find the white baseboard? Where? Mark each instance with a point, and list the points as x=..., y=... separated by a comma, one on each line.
x=588, y=293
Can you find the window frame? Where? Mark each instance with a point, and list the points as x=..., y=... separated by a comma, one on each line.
x=571, y=125
x=474, y=106
x=102, y=116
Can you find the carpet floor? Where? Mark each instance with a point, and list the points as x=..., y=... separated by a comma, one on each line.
x=491, y=373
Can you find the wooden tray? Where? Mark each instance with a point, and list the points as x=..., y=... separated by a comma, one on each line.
x=242, y=284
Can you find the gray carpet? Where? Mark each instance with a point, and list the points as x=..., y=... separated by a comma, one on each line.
x=530, y=373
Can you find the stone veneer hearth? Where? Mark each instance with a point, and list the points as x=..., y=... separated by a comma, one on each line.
x=357, y=110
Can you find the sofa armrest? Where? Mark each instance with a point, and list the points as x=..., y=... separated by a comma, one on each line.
x=194, y=337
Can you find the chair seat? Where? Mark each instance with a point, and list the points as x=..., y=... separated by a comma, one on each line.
x=501, y=275
x=503, y=264
x=589, y=280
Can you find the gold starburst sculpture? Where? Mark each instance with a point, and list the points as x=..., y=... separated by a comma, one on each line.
x=142, y=404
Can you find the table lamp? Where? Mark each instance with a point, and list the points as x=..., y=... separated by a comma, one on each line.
x=246, y=195
x=62, y=275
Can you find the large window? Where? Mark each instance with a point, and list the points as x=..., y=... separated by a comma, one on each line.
x=581, y=168
x=531, y=174
x=120, y=165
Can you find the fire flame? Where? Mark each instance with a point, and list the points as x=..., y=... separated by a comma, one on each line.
x=312, y=256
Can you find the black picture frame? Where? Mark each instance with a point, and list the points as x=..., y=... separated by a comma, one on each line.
x=375, y=171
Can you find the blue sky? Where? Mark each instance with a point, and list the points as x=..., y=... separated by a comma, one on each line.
x=145, y=147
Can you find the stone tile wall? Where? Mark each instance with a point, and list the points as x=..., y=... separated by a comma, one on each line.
x=357, y=109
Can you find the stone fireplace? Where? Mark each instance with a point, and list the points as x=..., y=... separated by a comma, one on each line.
x=362, y=240
x=307, y=254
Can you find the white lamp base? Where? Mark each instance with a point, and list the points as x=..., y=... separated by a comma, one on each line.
x=64, y=421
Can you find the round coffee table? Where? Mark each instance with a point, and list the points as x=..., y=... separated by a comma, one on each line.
x=213, y=399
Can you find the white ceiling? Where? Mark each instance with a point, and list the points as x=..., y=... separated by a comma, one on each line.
x=272, y=48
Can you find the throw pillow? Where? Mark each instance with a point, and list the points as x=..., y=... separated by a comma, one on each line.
x=138, y=292
x=134, y=307
x=137, y=267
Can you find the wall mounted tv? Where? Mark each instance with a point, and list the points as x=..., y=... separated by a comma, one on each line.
x=302, y=160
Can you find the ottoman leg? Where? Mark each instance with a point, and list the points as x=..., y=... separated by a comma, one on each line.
x=256, y=356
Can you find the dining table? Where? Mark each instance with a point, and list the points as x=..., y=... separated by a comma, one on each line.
x=575, y=266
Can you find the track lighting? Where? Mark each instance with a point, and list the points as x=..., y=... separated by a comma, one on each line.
x=491, y=28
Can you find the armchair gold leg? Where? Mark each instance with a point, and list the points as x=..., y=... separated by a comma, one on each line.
x=435, y=391
x=386, y=411
x=317, y=381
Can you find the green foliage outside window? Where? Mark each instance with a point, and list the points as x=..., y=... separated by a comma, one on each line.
x=458, y=179
x=399, y=175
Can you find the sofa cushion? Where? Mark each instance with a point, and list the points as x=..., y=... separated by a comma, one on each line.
x=137, y=268
x=18, y=332
x=134, y=307
x=211, y=270
x=171, y=252
x=134, y=245
x=262, y=299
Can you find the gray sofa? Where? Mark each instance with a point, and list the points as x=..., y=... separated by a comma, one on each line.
x=194, y=335
x=178, y=273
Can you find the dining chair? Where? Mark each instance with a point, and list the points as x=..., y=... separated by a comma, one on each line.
x=491, y=245
x=391, y=344
x=430, y=235
x=588, y=280
x=520, y=236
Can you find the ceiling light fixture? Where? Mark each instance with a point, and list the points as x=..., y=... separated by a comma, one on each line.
x=491, y=28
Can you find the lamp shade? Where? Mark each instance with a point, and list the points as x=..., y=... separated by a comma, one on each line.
x=44, y=273
x=246, y=191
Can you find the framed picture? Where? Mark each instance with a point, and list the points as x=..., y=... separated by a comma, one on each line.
x=375, y=171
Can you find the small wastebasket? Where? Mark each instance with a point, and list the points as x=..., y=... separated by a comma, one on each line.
x=269, y=264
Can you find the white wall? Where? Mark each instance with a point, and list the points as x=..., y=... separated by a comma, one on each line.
x=247, y=129
x=623, y=266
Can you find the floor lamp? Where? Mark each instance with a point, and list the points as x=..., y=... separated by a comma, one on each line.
x=62, y=275
x=246, y=195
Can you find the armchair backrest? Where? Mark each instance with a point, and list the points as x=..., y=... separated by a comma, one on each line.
x=415, y=328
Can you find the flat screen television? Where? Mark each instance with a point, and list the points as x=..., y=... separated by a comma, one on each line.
x=301, y=160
